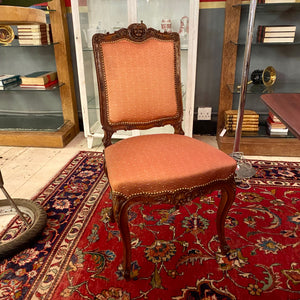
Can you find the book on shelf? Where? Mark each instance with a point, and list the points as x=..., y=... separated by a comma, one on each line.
x=42, y=5
x=249, y=116
x=7, y=79
x=250, y=120
x=38, y=34
x=276, y=28
x=253, y=121
x=33, y=27
x=233, y=112
x=45, y=86
x=33, y=37
x=25, y=35
x=244, y=128
x=278, y=134
x=274, y=122
x=279, y=34
x=40, y=28
x=277, y=40
x=276, y=34
x=39, y=78
x=276, y=1
x=32, y=30
x=277, y=131
x=34, y=40
x=273, y=117
x=10, y=85
x=33, y=43
x=274, y=125
x=245, y=122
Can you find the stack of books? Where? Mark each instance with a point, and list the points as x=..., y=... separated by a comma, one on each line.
x=9, y=81
x=276, y=34
x=39, y=80
x=250, y=120
x=275, y=126
x=34, y=34
x=276, y=1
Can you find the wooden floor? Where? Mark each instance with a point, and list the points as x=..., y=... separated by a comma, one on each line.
x=26, y=170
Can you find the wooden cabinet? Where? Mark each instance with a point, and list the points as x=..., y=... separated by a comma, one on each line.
x=108, y=16
x=32, y=117
x=282, y=56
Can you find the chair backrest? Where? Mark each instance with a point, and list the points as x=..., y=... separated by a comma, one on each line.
x=138, y=73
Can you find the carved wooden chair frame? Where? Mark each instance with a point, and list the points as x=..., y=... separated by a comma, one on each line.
x=137, y=33
x=121, y=203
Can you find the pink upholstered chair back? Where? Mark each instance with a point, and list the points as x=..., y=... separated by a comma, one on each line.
x=138, y=72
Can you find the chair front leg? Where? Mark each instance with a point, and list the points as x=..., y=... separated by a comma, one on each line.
x=227, y=198
x=125, y=235
x=113, y=208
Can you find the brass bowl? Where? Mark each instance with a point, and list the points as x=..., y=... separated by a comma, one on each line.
x=6, y=34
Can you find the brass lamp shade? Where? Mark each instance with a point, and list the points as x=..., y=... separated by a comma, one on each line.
x=269, y=76
x=266, y=76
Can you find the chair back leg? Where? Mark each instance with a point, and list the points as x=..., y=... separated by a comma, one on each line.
x=125, y=236
x=227, y=198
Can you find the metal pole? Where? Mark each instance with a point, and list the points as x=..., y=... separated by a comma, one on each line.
x=245, y=72
x=12, y=203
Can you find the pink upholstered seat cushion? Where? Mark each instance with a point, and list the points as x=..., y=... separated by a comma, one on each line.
x=164, y=162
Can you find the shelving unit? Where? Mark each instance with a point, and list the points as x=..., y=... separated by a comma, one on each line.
x=257, y=143
x=108, y=16
x=21, y=127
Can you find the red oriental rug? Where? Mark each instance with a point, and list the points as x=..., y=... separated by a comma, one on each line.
x=176, y=253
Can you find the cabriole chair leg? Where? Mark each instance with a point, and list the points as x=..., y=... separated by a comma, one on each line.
x=227, y=198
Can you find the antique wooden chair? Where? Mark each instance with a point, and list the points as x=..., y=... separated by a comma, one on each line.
x=138, y=73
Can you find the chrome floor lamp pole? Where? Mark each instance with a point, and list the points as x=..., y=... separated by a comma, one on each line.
x=244, y=169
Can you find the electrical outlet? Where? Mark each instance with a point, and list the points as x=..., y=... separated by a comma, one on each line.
x=204, y=113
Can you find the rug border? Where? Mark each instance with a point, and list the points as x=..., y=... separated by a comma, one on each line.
x=60, y=170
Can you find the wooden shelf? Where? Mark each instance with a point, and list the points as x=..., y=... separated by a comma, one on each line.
x=57, y=139
x=262, y=145
x=16, y=15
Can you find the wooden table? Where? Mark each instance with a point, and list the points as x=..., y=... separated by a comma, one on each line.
x=287, y=108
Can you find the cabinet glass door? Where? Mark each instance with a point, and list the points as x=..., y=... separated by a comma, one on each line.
x=169, y=15
x=90, y=17
x=93, y=16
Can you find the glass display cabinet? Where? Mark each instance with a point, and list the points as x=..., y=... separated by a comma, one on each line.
x=91, y=16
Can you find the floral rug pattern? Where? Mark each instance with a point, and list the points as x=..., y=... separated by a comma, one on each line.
x=175, y=253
